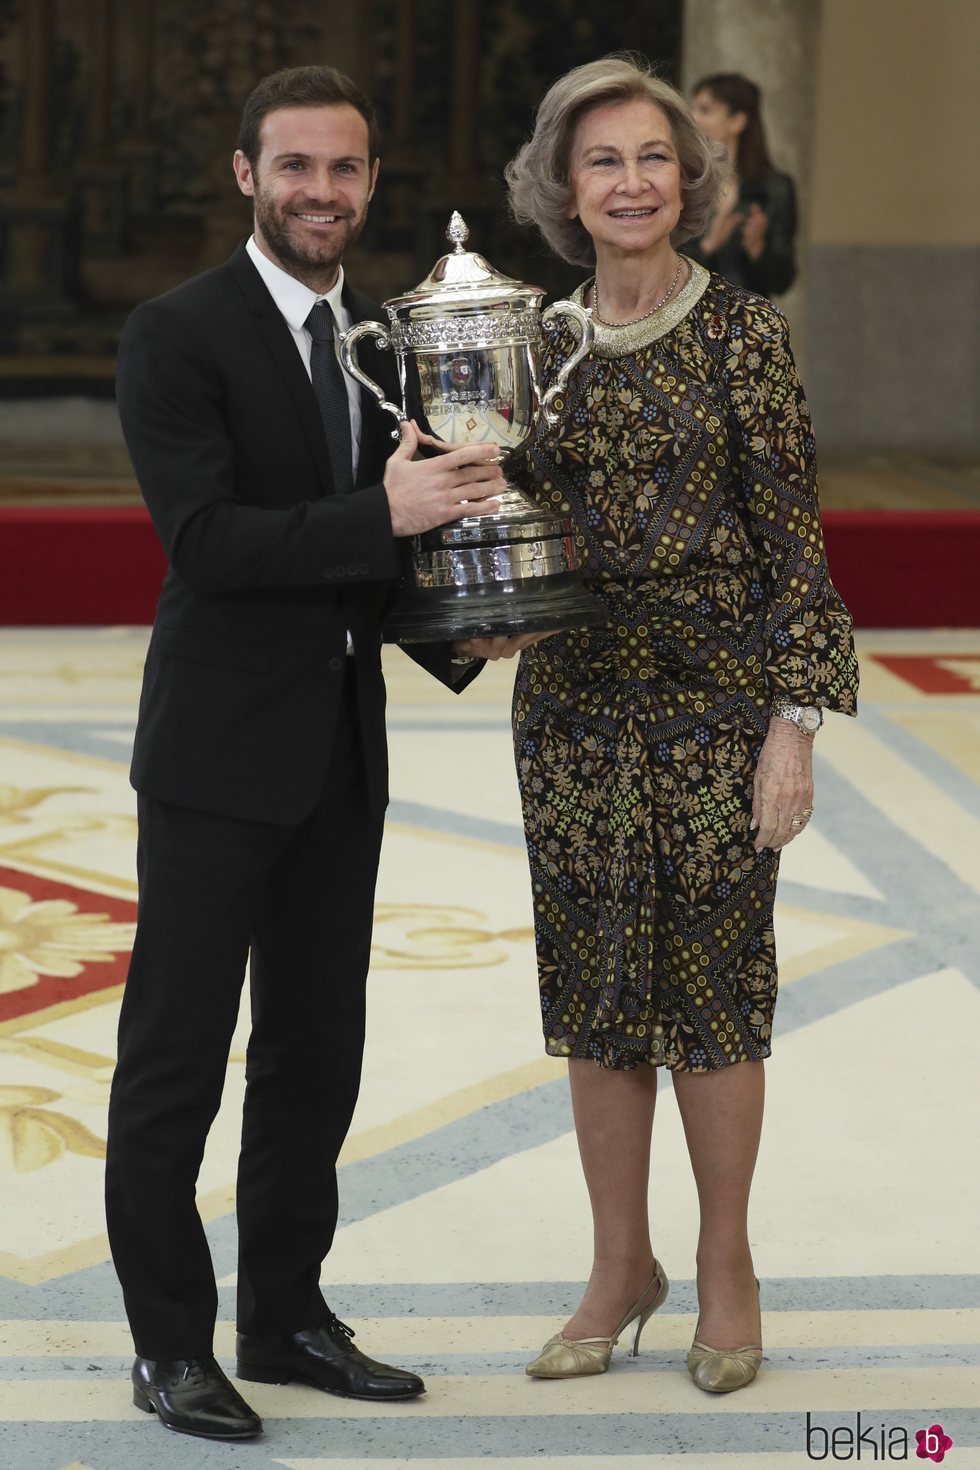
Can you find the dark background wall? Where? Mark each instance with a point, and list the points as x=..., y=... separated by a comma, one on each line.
x=118, y=121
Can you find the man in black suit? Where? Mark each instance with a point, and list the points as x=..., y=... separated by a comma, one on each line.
x=260, y=759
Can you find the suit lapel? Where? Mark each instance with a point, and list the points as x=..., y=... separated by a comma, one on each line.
x=375, y=443
x=279, y=342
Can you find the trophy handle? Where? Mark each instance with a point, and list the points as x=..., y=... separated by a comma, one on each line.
x=584, y=320
x=348, y=342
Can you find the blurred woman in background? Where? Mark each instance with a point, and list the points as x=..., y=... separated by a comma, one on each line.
x=750, y=238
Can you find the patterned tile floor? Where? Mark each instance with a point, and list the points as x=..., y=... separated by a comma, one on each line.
x=465, y=1229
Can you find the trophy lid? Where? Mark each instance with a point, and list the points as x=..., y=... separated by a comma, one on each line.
x=463, y=276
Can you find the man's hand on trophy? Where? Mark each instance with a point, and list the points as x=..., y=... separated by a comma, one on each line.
x=424, y=493
x=429, y=441
x=499, y=647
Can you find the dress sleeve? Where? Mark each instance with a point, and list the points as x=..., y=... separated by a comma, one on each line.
x=810, y=647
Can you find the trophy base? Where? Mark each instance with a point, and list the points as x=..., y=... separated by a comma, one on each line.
x=493, y=610
x=510, y=572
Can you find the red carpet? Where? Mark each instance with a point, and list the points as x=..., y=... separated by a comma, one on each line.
x=906, y=568
x=78, y=565
x=89, y=566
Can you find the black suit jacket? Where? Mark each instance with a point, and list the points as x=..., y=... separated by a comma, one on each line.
x=268, y=567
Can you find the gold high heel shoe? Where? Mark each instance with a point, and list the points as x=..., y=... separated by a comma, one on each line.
x=574, y=1357
x=722, y=1370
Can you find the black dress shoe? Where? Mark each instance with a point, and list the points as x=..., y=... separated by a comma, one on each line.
x=193, y=1396
x=324, y=1357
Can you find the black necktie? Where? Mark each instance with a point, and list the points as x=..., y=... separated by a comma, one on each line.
x=331, y=395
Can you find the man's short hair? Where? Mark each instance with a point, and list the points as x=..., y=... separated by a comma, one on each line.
x=303, y=86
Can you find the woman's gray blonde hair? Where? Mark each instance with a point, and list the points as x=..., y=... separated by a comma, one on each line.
x=538, y=177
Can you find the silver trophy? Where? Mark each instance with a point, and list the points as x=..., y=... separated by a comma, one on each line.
x=467, y=341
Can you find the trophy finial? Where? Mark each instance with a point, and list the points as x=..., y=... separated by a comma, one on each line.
x=457, y=231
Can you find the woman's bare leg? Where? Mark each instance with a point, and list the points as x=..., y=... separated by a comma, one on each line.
x=613, y=1123
x=722, y=1116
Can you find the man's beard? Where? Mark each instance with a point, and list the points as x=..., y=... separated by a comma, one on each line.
x=303, y=258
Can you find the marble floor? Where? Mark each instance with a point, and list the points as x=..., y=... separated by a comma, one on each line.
x=465, y=1232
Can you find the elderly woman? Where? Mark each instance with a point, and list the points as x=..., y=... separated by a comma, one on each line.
x=665, y=759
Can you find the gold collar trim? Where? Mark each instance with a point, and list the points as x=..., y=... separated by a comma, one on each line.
x=619, y=341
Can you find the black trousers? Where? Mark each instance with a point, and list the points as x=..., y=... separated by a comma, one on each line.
x=301, y=899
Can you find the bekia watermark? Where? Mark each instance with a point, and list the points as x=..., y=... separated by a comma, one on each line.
x=860, y=1441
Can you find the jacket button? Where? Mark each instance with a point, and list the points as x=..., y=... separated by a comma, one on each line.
x=340, y=571
x=352, y=571
x=335, y=664
x=364, y=569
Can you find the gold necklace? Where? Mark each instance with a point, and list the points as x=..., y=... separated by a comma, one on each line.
x=633, y=321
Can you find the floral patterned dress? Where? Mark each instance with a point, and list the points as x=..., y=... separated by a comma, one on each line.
x=685, y=457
